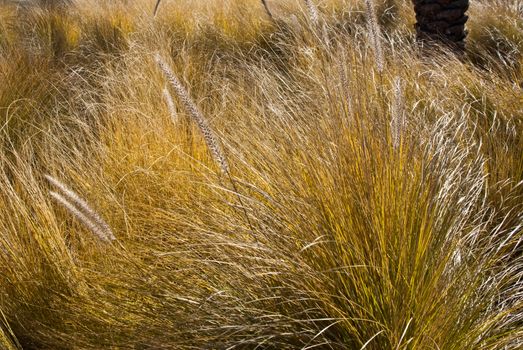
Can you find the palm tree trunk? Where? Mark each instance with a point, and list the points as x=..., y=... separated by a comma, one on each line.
x=442, y=21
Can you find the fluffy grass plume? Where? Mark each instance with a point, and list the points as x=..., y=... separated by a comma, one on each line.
x=375, y=35
x=170, y=104
x=195, y=114
x=79, y=208
x=398, y=113
x=314, y=13
x=364, y=208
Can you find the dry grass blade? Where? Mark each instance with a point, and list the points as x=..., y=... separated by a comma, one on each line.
x=370, y=340
x=156, y=7
x=79, y=208
x=195, y=114
x=345, y=87
x=267, y=10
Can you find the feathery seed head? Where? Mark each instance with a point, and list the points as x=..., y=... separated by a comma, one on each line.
x=313, y=12
x=94, y=228
x=170, y=104
x=398, y=112
x=375, y=35
x=79, y=208
x=195, y=114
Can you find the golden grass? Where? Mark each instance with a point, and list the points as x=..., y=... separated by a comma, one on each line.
x=362, y=207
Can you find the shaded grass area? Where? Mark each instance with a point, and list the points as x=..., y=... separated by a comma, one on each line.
x=362, y=209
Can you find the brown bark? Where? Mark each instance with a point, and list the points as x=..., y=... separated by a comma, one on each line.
x=442, y=21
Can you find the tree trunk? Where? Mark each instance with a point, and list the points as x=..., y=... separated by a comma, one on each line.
x=442, y=21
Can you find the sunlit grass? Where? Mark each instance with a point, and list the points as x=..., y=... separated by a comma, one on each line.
x=362, y=207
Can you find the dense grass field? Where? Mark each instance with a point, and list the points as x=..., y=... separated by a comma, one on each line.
x=216, y=178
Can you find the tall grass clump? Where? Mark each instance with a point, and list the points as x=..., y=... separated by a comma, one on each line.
x=280, y=192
